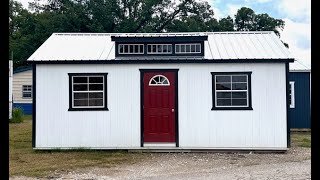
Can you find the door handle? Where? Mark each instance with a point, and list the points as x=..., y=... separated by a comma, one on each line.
x=172, y=110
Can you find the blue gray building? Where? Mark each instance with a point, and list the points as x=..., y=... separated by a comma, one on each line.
x=300, y=95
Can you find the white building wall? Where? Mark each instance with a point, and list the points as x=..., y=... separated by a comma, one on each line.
x=264, y=127
x=20, y=79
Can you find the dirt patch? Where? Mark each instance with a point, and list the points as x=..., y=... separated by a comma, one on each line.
x=295, y=164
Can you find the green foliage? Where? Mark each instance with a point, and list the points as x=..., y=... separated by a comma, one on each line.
x=247, y=20
x=17, y=115
x=28, y=30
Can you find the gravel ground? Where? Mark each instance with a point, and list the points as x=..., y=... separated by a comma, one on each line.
x=295, y=164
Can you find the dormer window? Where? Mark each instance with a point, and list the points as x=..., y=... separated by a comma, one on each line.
x=154, y=45
x=159, y=48
x=188, y=48
x=131, y=49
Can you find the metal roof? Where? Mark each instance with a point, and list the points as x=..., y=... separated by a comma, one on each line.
x=220, y=45
x=297, y=65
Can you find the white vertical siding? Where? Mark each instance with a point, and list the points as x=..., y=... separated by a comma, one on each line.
x=199, y=126
x=20, y=79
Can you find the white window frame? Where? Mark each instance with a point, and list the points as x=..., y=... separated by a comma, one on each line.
x=159, y=75
x=129, y=48
x=195, y=44
x=157, y=48
x=247, y=90
x=29, y=90
x=88, y=91
x=292, y=105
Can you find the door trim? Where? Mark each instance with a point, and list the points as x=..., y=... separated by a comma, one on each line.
x=142, y=71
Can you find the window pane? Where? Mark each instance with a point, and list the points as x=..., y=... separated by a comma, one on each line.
x=223, y=102
x=131, y=48
x=193, y=48
x=26, y=94
x=164, y=48
x=154, y=48
x=183, y=48
x=136, y=48
x=120, y=48
x=177, y=48
x=95, y=102
x=239, y=102
x=162, y=79
x=165, y=82
x=96, y=95
x=223, y=86
x=223, y=94
x=290, y=100
x=80, y=79
x=80, y=102
x=239, y=78
x=170, y=48
x=239, y=94
x=96, y=87
x=141, y=49
x=80, y=87
x=198, y=48
x=149, y=49
x=160, y=48
x=26, y=88
x=126, y=48
x=223, y=79
x=96, y=79
x=80, y=95
x=153, y=81
x=239, y=86
x=188, y=49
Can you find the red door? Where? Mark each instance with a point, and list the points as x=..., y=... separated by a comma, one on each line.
x=159, y=104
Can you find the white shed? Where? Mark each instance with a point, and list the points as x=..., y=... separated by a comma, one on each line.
x=215, y=90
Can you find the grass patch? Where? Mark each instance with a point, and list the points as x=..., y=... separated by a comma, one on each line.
x=25, y=161
x=301, y=139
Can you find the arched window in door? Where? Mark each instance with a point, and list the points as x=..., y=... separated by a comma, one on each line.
x=159, y=80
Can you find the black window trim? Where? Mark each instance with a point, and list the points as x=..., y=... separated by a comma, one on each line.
x=105, y=108
x=231, y=108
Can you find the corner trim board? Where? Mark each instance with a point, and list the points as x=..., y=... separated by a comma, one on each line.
x=288, y=106
x=34, y=116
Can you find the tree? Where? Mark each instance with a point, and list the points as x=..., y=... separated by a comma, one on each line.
x=247, y=20
x=226, y=24
x=28, y=30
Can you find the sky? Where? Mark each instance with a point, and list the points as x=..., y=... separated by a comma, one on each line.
x=295, y=13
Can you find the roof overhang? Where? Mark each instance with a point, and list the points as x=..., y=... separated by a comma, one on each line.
x=300, y=70
x=166, y=61
x=22, y=70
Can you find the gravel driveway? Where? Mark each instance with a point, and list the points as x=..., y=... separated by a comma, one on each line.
x=295, y=164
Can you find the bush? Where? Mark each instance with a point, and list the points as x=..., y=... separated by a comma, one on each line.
x=17, y=115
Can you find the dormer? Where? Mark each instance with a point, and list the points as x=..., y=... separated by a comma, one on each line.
x=159, y=46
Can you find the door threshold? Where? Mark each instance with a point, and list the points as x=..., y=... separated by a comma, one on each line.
x=159, y=144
